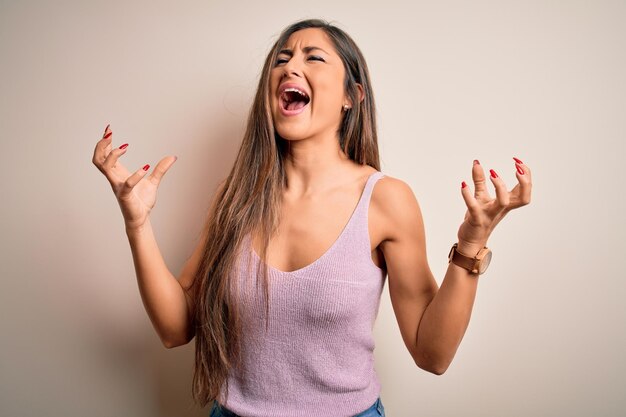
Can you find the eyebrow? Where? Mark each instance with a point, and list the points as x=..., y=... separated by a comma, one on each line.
x=306, y=49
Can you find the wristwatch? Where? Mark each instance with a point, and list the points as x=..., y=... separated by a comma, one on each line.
x=476, y=265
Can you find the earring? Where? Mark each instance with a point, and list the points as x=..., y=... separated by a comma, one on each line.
x=345, y=107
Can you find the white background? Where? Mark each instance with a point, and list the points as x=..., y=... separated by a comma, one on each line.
x=453, y=81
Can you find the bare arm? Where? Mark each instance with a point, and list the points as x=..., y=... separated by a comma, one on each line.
x=446, y=317
x=164, y=299
x=161, y=293
x=169, y=307
x=433, y=320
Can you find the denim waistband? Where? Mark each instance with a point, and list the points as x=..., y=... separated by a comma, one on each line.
x=221, y=411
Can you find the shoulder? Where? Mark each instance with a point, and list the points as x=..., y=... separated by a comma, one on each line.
x=391, y=189
x=395, y=207
x=393, y=195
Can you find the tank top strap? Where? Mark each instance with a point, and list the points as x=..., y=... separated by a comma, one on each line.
x=359, y=229
x=366, y=196
x=369, y=186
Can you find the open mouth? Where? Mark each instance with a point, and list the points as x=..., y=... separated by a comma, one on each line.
x=293, y=99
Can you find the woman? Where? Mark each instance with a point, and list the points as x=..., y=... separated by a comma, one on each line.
x=300, y=214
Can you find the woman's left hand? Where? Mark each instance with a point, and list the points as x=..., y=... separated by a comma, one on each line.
x=484, y=213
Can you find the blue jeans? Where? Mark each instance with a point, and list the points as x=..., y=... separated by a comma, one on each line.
x=376, y=410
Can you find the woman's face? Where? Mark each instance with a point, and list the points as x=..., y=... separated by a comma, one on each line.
x=309, y=63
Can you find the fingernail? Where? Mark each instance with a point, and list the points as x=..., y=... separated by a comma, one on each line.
x=493, y=173
x=106, y=128
x=108, y=135
x=124, y=146
x=463, y=185
x=519, y=169
x=476, y=162
x=517, y=160
x=145, y=168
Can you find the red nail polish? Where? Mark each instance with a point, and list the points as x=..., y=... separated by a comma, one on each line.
x=463, y=185
x=108, y=135
x=493, y=173
x=106, y=128
x=517, y=160
x=124, y=146
x=145, y=168
x=519, y=169
x=476, y=162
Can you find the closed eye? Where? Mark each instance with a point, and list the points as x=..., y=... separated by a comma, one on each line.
x=313, y=57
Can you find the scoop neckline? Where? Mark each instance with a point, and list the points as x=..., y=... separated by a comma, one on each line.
x=329, y=250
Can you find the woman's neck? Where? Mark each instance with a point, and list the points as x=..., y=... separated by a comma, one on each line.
x=314, y=165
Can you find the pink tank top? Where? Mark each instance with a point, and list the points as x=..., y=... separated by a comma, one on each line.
x=318, y=353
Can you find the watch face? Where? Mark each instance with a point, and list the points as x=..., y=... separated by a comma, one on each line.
x=485, y=263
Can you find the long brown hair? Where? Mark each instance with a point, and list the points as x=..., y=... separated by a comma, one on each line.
x=249, y=200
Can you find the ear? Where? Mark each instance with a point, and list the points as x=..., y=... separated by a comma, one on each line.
x=361, y=94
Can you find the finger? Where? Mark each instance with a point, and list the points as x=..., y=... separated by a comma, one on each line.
x=480, y=185
x=161, y=168
x=107, y=132
x=108, y=140
x=473, y=207
x=502, y=194
x=132, y=180
x=103, y=147
x=523, y=174
x=112, y=158
x=523, y=168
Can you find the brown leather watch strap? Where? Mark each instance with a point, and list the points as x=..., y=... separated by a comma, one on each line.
x=462, y=260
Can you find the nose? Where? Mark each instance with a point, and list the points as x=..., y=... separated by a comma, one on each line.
x=291, y=68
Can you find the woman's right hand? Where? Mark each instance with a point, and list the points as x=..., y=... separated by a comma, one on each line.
x=135, y=197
